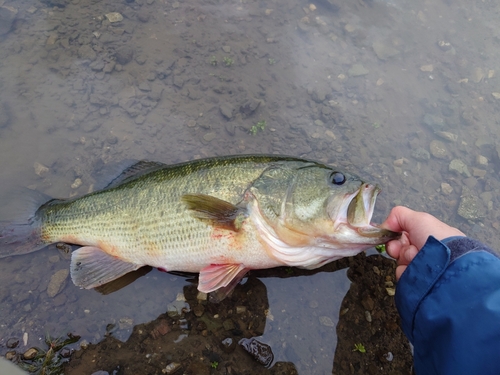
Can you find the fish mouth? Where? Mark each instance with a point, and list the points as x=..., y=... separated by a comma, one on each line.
x=359, y=212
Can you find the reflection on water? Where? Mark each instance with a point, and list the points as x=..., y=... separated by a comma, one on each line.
x=405, y=92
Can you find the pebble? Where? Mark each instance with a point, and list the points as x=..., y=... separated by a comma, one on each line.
x=458, y=166
x=446, y=188
x=7, y=16
x=12, y=343
x=438, y=150
x=470, y=207
x=358, y=70
x=30, y=353
x=40, y=169
x=326, y=321
x=447, y=136
x=114, y=17
x=427, y=68
x=261, y=352
x=77, y=183
x=209, y=137
x=368, y=316
x=171, y=368
x=57, y=282
x=481, y=160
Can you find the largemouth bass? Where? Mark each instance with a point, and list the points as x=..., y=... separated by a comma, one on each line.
x=220, y=217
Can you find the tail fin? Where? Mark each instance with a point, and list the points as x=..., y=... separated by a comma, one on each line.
x=21, y=236
x=18, y=239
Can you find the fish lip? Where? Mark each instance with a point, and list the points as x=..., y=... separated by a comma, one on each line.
x=361, y=206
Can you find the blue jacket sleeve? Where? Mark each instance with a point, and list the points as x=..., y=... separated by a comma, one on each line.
x=449, y=302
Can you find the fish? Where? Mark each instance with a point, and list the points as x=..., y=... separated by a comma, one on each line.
x=220, y=217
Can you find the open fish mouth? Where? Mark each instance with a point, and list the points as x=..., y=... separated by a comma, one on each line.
x=359, y=208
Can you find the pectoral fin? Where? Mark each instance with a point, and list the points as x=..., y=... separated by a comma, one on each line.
x=92, y=267
x=222, y=278
x=216, y=211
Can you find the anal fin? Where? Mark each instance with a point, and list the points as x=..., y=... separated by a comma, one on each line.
x=221, y=278
x=92, y=267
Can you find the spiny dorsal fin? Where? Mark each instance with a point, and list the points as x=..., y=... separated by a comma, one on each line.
x=218, y=212
x=135, y=170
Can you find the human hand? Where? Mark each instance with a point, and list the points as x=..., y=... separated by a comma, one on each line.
x=416, y=228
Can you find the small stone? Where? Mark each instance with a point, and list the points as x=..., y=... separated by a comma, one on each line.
x=40, y=169
x=496, y=95
x=226, y=49
x=480, y=173
x=384, y=51
x=7, y=17
x=458, y=166
x=208, y=137
x=470, y=206
x=368, y=303
x=421, y=154
x=201, y=296
x=427, y=68
x=368, y=316
x=447, y=136
x=446, y=188
x=240, y=309
x=438, y=150
x=77, y=183
x=358, y=70
x=227, y=110
x=326, y=321
x=477, y=75
x=57, y=282
x=30, y=353
x=390, y=291
x=481, y=160
x=171, y=368
x=10, y=355
x=12, y=343
x=114, y=17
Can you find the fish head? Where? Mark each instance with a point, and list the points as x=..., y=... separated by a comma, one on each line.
x=320, y=208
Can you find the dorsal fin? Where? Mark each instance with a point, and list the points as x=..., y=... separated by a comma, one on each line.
x=135, y=170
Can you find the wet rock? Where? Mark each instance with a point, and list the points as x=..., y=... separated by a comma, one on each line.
x=30, y=353
x=228, y=325
x=124, y=55
x=40, y=169
x=470, y=206
x=446, y=188
x=198, y=310
x=368, y=303
x=481, y=160
x=357, y=70
x=326, y=321
x=421, y=154
x=86, y=52
x=10, y=355
x=320, y=94
x=57, y=282
x=436, y=123
x=143, y=16
x=227, y=110
x=12, y=343
x=172, y=368
x=383, y=51
x=458, y=166
x=447, y=136
x=7, y=16
x=249, y=106
x=261, y=352
x=114, y=17
x=438, y=150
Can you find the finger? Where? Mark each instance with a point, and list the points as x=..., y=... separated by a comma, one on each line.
x=396, y=221
x=399, y=271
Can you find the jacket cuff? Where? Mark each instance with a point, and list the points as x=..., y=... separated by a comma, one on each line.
x=418, y=278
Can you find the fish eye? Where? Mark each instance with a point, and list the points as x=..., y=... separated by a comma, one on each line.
x=337, y=178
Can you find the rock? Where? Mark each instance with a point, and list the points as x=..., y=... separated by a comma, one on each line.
x=261, y=352
x=124, y=55
x=7, y=16
x=358, y=70
x=481, y=160
x=249, y=106
x=30, y=353
x=436, y=123
x=198, y=310
x=86, y=52
x=326, y=321
x=427, y=68
x=477, y=75
x=12, y=343
x=447, y=136
x=446, y=188
x=458, y=166
x=171, y=368
x=209, y=137
x=438, y=150
x=227, y=110
x=421, y=154
x=368, y=303
x=470, y=206
x=40, y=169
x=383, y=51
x=57, y=282
x=114, y=17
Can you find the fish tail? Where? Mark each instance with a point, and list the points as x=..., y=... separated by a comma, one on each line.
x=20, y=238
x=19, y=235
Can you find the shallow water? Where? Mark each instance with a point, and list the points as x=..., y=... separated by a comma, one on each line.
x=368, y=88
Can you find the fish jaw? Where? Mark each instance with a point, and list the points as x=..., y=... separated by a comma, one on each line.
x=347, y=232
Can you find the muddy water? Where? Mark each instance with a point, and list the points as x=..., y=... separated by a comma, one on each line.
x=405, y=93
